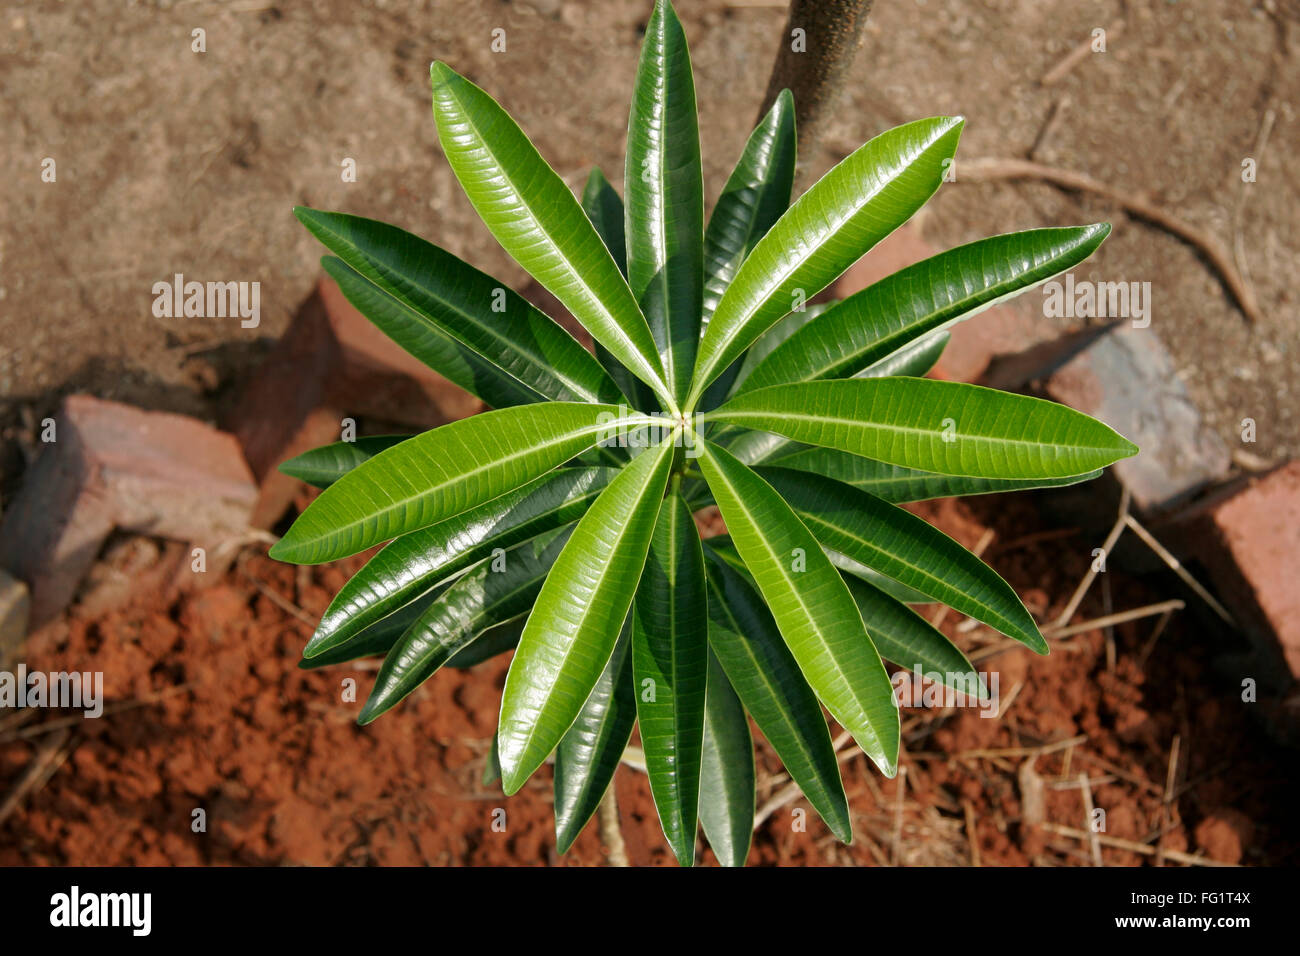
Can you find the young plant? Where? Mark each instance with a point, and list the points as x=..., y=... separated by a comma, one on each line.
x=562, y=523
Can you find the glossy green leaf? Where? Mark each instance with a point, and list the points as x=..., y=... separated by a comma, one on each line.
x=589, y=753
x=669, y=645
x=439, y=290
x=946, y=427
x=493, y=592
x=923, y=298
x=901, y=545
x=578, y=615
x=811, y=604
x=867, y=196
x=410, y=565
x=754, y=197
x=915, y=360
x=427, y=342
x=899, y=592
x=441, y=473
x=727, y=796
x=905, y=638
x=530, y=211
x=605, y=210
x=376, y=638
x=747, y=643
x=489, y=643
x=665, y=197
x=323, y=466
x=897, y=484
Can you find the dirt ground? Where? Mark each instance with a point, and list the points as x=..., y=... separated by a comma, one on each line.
x=170, y=161
x=208, y=711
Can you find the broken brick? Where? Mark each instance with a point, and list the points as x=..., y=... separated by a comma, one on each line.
x=1249, y=543
x=1126, y=379
x=109, y=466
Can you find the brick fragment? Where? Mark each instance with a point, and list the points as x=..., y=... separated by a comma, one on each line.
x=110, y=466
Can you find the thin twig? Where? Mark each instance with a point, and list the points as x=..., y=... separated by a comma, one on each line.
x=1116, y=530
x=42, y=766
x=611, y=832
x=1131, y=846
x=1176, y=566
x=1094, y=844
x=1077, y=55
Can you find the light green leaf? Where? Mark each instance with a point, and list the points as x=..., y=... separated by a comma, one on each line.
x=899, y=592
x=921, y=299
x=589, y=753
x=904, y=547
x=576, y=620
x=727, y=794
x=745, y=639
x=323, y=466
x=897, y=484
x=811, y=604
x=439, y=291
x=669, y=645
x=946, y=427
x=441, y=473
x=487, y=595
x=410, y=565
x=867, y=196
x=539, y=222
x=665, y=197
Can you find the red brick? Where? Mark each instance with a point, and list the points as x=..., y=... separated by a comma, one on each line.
x=112, y=465
x=1252, y=550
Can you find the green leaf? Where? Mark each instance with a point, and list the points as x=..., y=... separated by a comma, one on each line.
x=605, y=210
x=576, y=620
x=589, y=753
x=727, y=795
x=493, y=592
x=665, y=197
x=915, y=360
x=669, y=645
x=441, y=352
x=899, y=592
x=539, y=222
x=905, y=638
x=441, y=473
x=925, y=297
x=439, y=291
x=745, y=639
x=376, y=638
x=897, y=484
x=904, y=547
x=410, y=565
x=488, y=644
x=811, y=604
x=323, y=466
x=946, y=427
x=867, y=196
x=755, y=196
